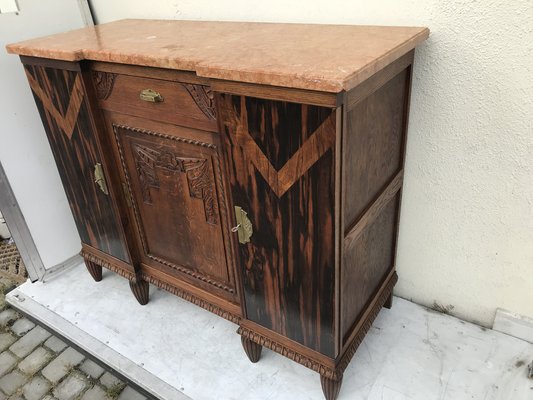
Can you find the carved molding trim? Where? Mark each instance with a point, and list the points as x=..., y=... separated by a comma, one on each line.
x=189, y=272
x=287, y=352
x=103, y=82
x=103, y=263
x=204, y=98
x=192, y=298
x=197, y=170
x=222, y=210
x=163, y=285
x=327, y=372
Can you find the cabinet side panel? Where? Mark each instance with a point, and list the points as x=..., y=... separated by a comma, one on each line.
x=373, y=172
x=62, y=103
x=373, y=147
x=281, y=162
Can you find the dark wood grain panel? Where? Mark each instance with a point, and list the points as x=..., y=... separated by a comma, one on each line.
x=367, y=261
x=288, y=268
x=61, y=100
x=373, y=149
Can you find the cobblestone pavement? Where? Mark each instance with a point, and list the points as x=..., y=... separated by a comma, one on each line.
x=35, y=365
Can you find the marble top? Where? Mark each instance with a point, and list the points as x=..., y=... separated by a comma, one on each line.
x=328, y=58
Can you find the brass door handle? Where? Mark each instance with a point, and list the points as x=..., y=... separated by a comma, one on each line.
x=99, y=178
x=151, y=96
x=244, y=226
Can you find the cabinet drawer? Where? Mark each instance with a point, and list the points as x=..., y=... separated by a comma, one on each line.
x=178, y=103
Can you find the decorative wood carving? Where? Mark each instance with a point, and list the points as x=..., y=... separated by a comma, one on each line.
x=204, y=99
x=199, y=179
x=286, y=352
x=163, y=285
x=89, y=257
x=192, y=298
x=222, y=210
x=252, y=349
x=103, y=82
x=95, y=270
x=140, y=290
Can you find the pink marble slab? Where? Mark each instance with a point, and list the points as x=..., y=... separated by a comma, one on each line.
x=328, y=58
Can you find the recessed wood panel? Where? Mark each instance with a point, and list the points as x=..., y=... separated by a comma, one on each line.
x=373, y=145
x=176, y=200
x=61, y=100
x=288, y=268
x=366, y=262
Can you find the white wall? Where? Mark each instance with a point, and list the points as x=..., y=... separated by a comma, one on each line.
x=24, y=150
x=466, y=236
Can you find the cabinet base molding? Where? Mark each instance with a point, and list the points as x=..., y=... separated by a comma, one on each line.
x=286, y=351
x=93, y=259
x=94, y=269
x=192, y=298
x=89, y=257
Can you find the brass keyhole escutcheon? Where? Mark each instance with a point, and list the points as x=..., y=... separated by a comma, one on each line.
x=99, y=178
x=151, y=96
x=244, y=226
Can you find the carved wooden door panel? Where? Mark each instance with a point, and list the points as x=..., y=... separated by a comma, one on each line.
x=67, y=118
x=280, y=158
x=178, y=205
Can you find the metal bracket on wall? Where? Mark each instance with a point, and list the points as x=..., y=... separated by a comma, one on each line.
x=19, y=230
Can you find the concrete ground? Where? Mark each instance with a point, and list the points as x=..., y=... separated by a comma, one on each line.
x=36, y=365
x=176, y=350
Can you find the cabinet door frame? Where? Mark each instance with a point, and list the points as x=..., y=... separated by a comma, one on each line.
x=115, y=122
x=72, y=125
x=279, y=176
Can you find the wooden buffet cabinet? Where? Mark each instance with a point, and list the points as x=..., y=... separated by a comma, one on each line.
x=252, y=169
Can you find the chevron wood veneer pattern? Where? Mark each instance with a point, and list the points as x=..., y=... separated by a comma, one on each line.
x=320, y=141
x=66, y=121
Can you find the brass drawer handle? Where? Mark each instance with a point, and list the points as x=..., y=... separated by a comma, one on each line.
x=244, y=226
x=151, y=96
x=99, y=178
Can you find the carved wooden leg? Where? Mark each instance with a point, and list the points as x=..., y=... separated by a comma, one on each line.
x=140, y=290
x=330, y=387
x=94, y=269
x=388, y=303
x=252, y=349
